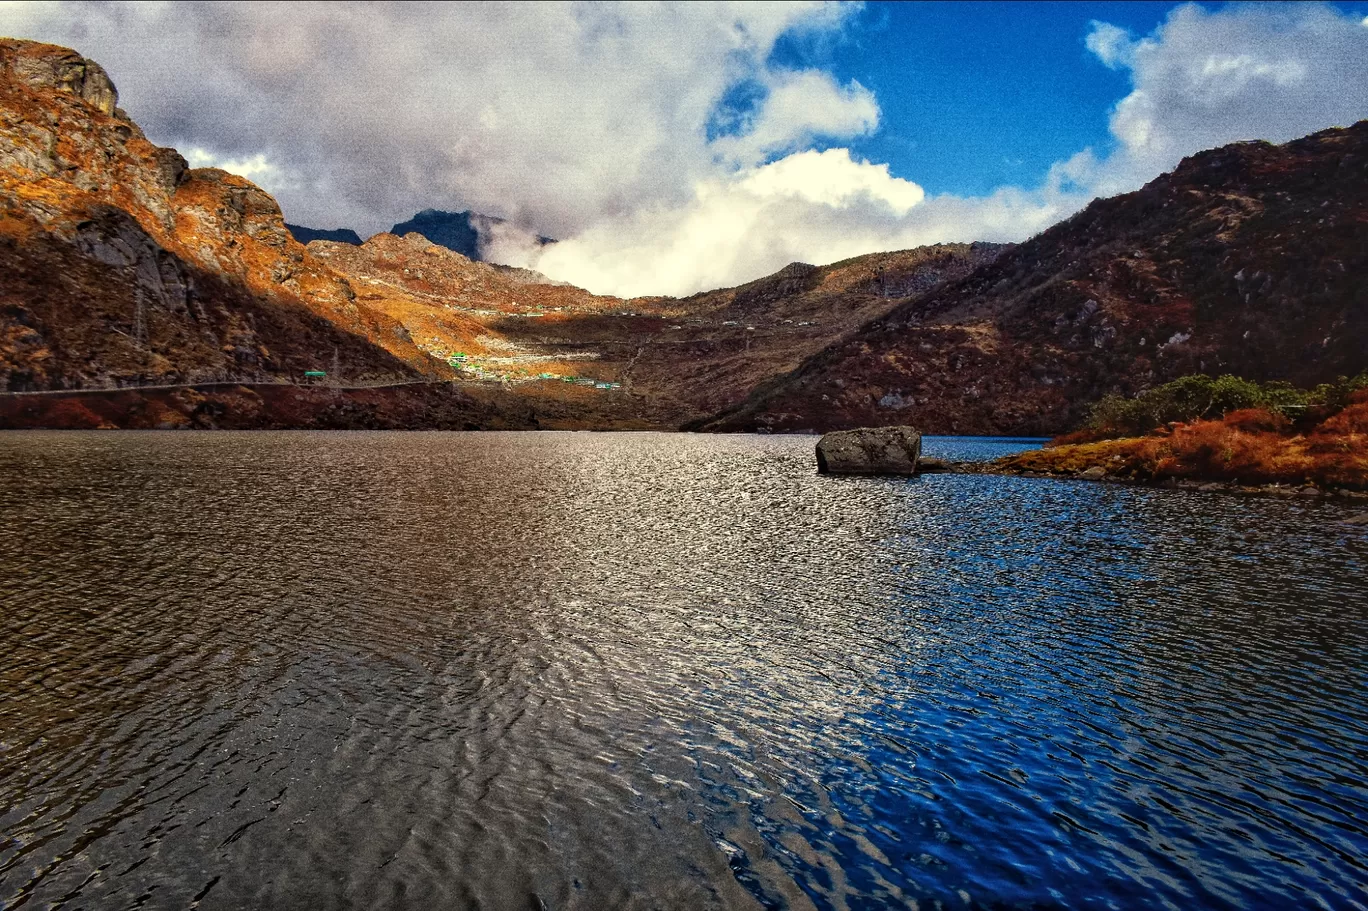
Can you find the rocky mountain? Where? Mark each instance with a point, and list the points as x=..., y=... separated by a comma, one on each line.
x=122, y=265
x=674, y=360
x=721, y=344
x=336, y=235
x=463, y=232
x=125, y=268
x=1246, y=259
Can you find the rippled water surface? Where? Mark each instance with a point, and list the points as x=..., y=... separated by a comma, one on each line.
x=607, y=670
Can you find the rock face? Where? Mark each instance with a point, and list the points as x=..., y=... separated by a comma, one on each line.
x=870, y=450
x=122, y=266
x=46, y=67
x=1247, y=259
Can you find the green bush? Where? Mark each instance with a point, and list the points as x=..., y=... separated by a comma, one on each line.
x=1201, y=397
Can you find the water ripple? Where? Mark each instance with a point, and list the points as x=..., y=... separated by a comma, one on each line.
x=635, y=670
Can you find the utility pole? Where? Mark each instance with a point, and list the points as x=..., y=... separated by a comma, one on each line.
x=336, y=367
x=139, y=321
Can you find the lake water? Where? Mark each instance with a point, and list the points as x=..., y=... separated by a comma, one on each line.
x=525, y=671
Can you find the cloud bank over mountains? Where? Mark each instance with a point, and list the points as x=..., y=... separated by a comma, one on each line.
x=660, y=142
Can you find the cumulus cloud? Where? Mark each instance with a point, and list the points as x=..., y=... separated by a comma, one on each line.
x=256, y=169
x=739, y=225
x=832, y=179
x=1204, y=79
x=554, y=115
x=659, y=142
x=798, y=107
x=807, y=207
x=1111, y=44
x=1201, y=80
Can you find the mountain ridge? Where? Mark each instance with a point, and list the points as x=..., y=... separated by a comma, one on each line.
x=465, y=232
x=126, y=267
x=1240, y=260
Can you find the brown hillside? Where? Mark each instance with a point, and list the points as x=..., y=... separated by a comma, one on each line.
x=677, y=360
x=1246, y=260
x=122, y=265
x=1248, y=447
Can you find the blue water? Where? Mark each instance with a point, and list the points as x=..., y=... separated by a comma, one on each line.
x=373, y=670
x=977, y=449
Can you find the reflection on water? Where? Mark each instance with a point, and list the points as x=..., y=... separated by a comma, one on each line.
x=638, y=670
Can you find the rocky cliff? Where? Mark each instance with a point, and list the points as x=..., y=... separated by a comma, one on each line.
x=1245, y=259
x=122, y=265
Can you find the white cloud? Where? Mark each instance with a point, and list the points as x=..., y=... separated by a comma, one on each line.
x=799, y=107
x=555, y=115
x=1201, y=80
x=1110, y=44
x=598, y=124
x=832, y=178
x=808, y=206
x=1204, y=79
x=256, y=169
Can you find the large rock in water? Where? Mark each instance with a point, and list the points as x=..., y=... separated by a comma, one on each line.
x=869, y=450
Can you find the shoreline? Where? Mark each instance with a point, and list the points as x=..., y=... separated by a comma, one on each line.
x=1097, y=475
x=1286, y=491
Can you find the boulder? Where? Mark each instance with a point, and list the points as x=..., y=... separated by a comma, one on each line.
x=869, y=450
x=1096, y=473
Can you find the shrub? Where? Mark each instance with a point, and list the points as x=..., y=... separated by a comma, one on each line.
x=1260, y=445
x=1258, y=420
x=1201, y=397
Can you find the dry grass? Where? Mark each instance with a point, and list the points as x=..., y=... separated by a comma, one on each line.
x=1246, y=447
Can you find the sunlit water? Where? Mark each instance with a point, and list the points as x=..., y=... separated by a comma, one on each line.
x=589, y=671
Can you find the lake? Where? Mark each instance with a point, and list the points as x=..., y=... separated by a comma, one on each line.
x=572, y=670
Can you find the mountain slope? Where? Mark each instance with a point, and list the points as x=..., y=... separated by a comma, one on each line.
x=1245, y=259
x=677, y=360
x=122, y=265
x=724, y=343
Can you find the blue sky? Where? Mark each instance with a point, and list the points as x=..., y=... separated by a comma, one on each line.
x=979, y=95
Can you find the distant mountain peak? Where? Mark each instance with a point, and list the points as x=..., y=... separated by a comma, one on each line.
x=464, y=232
x=336, y=235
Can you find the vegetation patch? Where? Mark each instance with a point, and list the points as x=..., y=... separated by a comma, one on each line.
x=1204, y=398
x=1225, y=430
